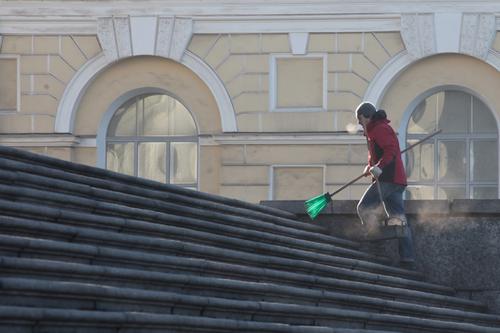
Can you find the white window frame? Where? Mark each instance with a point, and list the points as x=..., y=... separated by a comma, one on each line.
x=273, y=166
x=411, y=107
x=18, y=78
x=102, y=138
x=273, y=83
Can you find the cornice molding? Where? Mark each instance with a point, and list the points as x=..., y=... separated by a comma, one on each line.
x=210, y=25
x=39, y=140
x=97, y=8
x=282, y=139
x=236, y=16
x=18, y=25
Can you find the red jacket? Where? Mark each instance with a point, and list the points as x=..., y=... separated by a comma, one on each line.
x=384, y=151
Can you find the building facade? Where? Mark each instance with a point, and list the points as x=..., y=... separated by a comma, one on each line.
x=254, y=99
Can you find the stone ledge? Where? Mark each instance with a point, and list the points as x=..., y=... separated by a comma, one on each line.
x=412, y=207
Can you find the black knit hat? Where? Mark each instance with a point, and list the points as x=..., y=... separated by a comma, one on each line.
x=367, y=109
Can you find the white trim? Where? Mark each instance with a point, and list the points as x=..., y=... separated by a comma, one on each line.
x=385, y=76
x=298, y=42
x=391, y=70
x=477, y=35
x=273, y=166
x=106, y=36
x=143, y=33
x=74, y=91
x=86, y=25
x=237, y=7
x=297, y=24
x=418, y=32
x=282, y=139
x=18, y=78
x=493, y=59
x=30, y=25
x=273, y=82
x=89, y=142
x=86, y=74
x=216, y=86
x=448, y=29
x=122, y=33
x=37, y=140
x=429, y=92
x=101, y=138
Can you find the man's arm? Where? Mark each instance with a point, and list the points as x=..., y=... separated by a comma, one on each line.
x=386, y=139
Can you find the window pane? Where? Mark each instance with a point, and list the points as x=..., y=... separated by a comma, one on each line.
x=482, y=120
x=484, y=161
x=483, y=192
x=163, y=115
x=423, y=120
x=152, y=161
x=419, y=192
x=120, y=157
x=420, y=165
x=180, y=120
x=155, y=119
x=452, y=162
x=451, y=193
x=454, y=112
x=124, y=121
x=184, y=162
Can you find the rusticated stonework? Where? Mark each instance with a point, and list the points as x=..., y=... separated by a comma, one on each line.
x=106, y=35
x=170, y=35
x=417, y=31
x=478, y=32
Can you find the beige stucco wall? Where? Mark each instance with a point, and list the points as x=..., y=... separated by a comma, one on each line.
x=242, y=61
x=251, y=172
x=47, y=64
x=146, y=71
x=496, y=42
x=247, y=170
x=442, y=70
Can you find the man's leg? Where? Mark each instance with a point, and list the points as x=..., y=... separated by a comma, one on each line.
x=395, y=208
x=370, y=207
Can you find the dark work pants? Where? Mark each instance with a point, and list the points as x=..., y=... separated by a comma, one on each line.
x=371, y=212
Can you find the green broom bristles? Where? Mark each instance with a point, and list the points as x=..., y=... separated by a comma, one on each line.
x=315, y=205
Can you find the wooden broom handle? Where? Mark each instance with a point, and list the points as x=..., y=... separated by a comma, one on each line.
x=403, y=151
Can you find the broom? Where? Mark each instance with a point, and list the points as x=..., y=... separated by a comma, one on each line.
x=315, y=205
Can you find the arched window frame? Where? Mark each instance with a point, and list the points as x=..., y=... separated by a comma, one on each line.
x=403, y=135
x=102, y=139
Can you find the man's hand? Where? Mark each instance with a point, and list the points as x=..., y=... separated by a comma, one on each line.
x=366, y=172
x=375, y=171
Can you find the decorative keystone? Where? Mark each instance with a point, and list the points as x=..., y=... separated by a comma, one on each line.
x=122, y=37
x=418, y=33
x=477, y=35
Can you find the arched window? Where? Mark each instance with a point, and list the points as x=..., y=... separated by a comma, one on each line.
x=462, y=161
x=155, y=137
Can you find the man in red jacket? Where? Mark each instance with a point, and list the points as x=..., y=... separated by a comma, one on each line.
x=388, y=177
